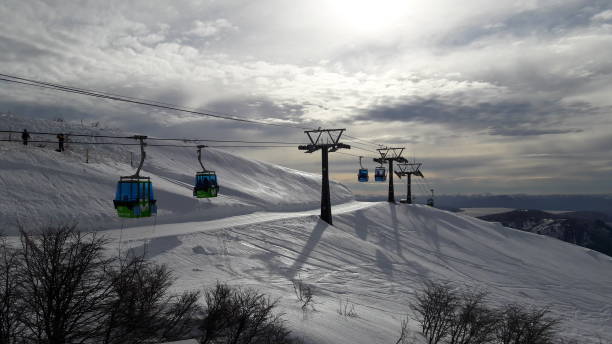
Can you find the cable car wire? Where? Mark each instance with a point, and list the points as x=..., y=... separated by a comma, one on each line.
x=150, y=145
x=152, y=103
x=69, y=89
x=154, y=138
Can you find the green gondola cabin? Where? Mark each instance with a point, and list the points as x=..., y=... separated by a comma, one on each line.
x=206, y=185
x=135, y=198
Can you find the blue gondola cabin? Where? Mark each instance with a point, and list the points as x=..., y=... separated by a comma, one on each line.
x=380, y=174
x=134, y=197
x=362, y=176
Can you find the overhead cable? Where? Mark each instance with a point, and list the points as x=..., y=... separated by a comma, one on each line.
x=150, y=145
x=75, y=90
x=152, y=103
x=153, y=138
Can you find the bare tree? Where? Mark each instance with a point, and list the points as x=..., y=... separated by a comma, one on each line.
x=435, y=307
x=520, y=325
x=473, y=321
x=11, y=327
x=64, y=285
x=241, y=316
x=59, y=287
x=141, y=309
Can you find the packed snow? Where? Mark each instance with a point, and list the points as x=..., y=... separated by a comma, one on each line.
x=264, y=232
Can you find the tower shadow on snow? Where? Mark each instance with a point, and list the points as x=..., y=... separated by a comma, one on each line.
x=394, y=222
x=310, y=245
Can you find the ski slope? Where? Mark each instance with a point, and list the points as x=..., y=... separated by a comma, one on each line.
x=264, y=232
x=375, y=256
x=43, y=187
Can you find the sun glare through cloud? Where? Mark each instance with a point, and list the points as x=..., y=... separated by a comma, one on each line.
x=368, y=17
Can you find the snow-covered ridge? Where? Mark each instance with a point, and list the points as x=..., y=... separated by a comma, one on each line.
x=40, y=186
x=375, y=256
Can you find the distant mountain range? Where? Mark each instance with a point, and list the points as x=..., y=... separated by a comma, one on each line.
x=584, y=228
x=600, y=203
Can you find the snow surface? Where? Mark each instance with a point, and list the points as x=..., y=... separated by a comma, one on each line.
x=43, y=187
x=264, y=232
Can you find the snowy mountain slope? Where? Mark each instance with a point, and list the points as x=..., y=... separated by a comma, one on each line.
x=263, y=231
x=41, y=186
x=375, y=256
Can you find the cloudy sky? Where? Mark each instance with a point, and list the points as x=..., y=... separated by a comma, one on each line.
x=492, y=96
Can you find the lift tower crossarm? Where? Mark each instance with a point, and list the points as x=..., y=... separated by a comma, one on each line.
x=389, y=155
x=409, y=169
x=327, y=140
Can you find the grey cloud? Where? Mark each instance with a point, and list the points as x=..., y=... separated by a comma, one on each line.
x=256, y=108
x=45, y=111
x=506, y=118
x=530, y=132
x=543, y=21
x=16, y=50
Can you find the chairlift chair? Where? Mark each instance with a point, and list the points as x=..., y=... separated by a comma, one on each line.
x=134, y=197
x=206, y=185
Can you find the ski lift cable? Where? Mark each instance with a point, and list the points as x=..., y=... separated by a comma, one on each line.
x=154, y=138
x=96, y=94
x=378, y=145
x=355, y=155
x=140, y=101
x=151, y=145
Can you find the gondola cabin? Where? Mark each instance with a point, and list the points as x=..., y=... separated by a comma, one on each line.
x=380, y=174
x=135, y=198
x=362, y=176
x=206, y=185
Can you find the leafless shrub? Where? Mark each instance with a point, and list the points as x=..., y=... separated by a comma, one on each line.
x=304, y=294
x=519, y=325
x=463, y=317
x=59, y=287
x=406, y=336
x=346, y=308
x=64, y=285
x=403, y=332
x=241, y=316
x=435, y=307
x=11, y=327
x=473, y=321
x=141, y=307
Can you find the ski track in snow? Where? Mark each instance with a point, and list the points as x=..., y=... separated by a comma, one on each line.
x=263, y=231
x=148, y=232
x=376, y=265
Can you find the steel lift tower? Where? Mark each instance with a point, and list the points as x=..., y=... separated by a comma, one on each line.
x=408, y=170
x=327, y=140
x=389, y=155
